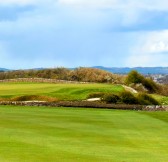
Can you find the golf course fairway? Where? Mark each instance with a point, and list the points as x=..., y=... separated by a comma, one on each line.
x=60, y=91
x=41, y=134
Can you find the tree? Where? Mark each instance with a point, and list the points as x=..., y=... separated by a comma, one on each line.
x=134, y=77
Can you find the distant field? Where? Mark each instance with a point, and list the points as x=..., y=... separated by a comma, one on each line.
x=32, y=134
x=60, y=91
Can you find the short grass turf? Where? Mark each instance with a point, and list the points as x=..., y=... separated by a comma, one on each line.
x=40, y=134
x=60, y=91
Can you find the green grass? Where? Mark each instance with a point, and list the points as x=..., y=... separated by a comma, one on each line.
x=163, y=99
x=60, y=91
x=31, y=134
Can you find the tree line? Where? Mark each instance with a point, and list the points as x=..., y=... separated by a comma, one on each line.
x=80, y=74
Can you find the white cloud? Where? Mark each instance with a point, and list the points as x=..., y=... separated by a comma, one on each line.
x=127, y=12
x=26, y=2
x=147, y=60
x=125, y=4
x=88, y=3
x=53, y=20
x=154, y=42
x=18, y=2
x=156, y=47
x=150, y=50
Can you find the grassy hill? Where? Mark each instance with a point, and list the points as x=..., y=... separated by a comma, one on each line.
x=45, y=134
x=59, y=91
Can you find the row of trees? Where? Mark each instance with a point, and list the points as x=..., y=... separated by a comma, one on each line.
x=79, y=74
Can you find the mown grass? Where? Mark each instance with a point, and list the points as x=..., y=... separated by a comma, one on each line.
x=32, y=134
x=59, y=91
x=55, y=92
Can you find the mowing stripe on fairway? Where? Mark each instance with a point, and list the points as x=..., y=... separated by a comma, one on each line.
x=32, y=134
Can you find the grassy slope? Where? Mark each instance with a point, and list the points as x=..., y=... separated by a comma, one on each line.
x=162, y=99
x=60, y=91
x=43, y=134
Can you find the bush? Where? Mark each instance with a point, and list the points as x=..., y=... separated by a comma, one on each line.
x=150, y=85
x=134, y=77
x=96, y=95
x=34, y=97
x=139, y=87
x=111, y=98
x=145, y=99
x=128, y=98
x=163, y=89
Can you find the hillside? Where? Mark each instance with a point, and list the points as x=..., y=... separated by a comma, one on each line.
x=78, y=74
x=3, y=69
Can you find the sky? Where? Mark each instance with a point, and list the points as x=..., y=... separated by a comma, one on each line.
x=72, y=33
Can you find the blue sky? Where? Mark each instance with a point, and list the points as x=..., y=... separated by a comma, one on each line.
x=71, y=33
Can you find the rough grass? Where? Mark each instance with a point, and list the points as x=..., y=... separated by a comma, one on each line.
x=63, y=134
x=34, y=98
x=58, y=91
x=162, y=99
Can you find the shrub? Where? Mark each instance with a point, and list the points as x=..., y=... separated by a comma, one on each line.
x=145, y=99
x=134, y=77
x=128, y=98
x=34, y=97
x=150, y=85
x=163, y=89
x=96, y=95
x=111, y=98
x=139, y=87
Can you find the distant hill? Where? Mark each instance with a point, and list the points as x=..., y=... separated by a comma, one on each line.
x=142, y=70
x=118, y=70
x=3, y=69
